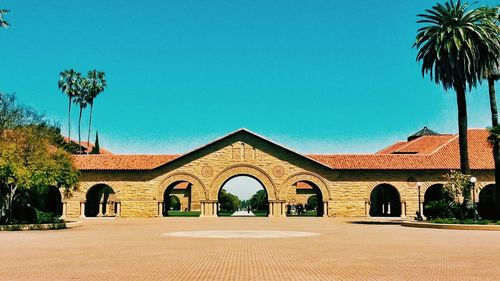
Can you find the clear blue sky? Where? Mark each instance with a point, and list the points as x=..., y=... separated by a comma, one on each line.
x=316, y=76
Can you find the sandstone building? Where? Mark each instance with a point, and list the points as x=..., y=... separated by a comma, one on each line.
x=380, y=184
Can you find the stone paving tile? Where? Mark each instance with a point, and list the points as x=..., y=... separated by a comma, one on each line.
x=135, y=249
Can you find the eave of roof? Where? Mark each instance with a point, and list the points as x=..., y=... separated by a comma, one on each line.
x=443, y=156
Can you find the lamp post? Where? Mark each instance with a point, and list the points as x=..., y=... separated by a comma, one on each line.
x=419, y=184
x=473, y=183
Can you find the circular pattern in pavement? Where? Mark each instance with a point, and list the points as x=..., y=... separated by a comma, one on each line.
x=241, y=234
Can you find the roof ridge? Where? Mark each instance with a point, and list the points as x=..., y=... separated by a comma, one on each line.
x=444, y=144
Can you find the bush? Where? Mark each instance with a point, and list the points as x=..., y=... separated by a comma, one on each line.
x=43, y=217
x=440, y=209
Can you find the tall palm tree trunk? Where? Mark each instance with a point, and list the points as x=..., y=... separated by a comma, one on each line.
x=90, y=125
x=79, y=130
x=496, y=146
x=69, y=119
x=462, y=135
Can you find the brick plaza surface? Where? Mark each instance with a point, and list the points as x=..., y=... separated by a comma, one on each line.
x=135, y=249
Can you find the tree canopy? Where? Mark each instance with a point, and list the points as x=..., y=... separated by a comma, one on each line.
x=31, y=155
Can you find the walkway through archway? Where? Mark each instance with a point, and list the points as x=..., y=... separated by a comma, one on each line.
x=304, y=199
x=242, y=195
x=177, y=200
x=385, y=201
x=101, y=201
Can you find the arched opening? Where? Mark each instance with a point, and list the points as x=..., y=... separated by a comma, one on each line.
x=177, y=200
x=100, y=201
x=432, y=194
x=385, y=201
x=305, y=199
x=242, y=195
x=486, y=204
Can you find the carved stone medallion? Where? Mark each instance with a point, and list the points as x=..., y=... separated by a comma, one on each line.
x=207, y=171
x=278, y=171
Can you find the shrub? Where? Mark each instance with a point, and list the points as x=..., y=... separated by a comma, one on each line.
x=43, y=217
x=440, y=209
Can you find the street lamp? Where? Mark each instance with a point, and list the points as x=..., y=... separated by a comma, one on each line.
x=419, y=184
x=473, y=183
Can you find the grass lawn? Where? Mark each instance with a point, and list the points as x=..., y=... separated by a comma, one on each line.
x=225, y=213
x=184, y=214
x=260, y=213
x=467, y=221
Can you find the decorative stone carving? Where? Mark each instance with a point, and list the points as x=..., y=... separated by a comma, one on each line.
x=207, y=171
x=278, y=171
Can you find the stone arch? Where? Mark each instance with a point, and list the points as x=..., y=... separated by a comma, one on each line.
x=385, y=200
x=486, y=202
x=197, y=185
x=433, y=192
x=87, y=186
x=243, y=170
x=287, y=186
x=100, y=201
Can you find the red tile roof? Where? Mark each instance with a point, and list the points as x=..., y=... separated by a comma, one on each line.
x=421, y=145
x=121, y=162
x=87, y=146
x=433, y=156
x=430, y=152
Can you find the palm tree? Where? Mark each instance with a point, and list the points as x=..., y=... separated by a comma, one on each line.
x=3, y=23
x=68, y=84
x=455, y=47
x=95, y=84
x=81, y=100
x=492, y=76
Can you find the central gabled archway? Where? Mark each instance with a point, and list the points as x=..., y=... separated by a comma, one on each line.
x=243, y=170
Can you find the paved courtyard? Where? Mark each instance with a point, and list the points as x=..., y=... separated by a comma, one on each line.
x=138, y=249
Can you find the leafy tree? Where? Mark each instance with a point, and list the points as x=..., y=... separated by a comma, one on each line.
x=68, y=84
x=96, y=83
x=258, y=201
x=456, y=47
x=29, y=160
x=3, y=23
x=228, y=201
x=174, y=203
x=459, y=187
x=14, y=115
x=312, y=203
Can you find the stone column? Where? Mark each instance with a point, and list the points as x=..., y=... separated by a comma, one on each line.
x=216, y=208
x=367, y=208
x=403, y=209
x=283, y=209
x=101, y=203
x=270, y=209
x=422, y=208
x=202, y=209
x=82, y=209
x=118, y=211
x=64, y=210
x=388, y=208
x=160, y=209
x=325, y=209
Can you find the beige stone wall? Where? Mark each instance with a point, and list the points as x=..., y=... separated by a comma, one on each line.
x=346, y=192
